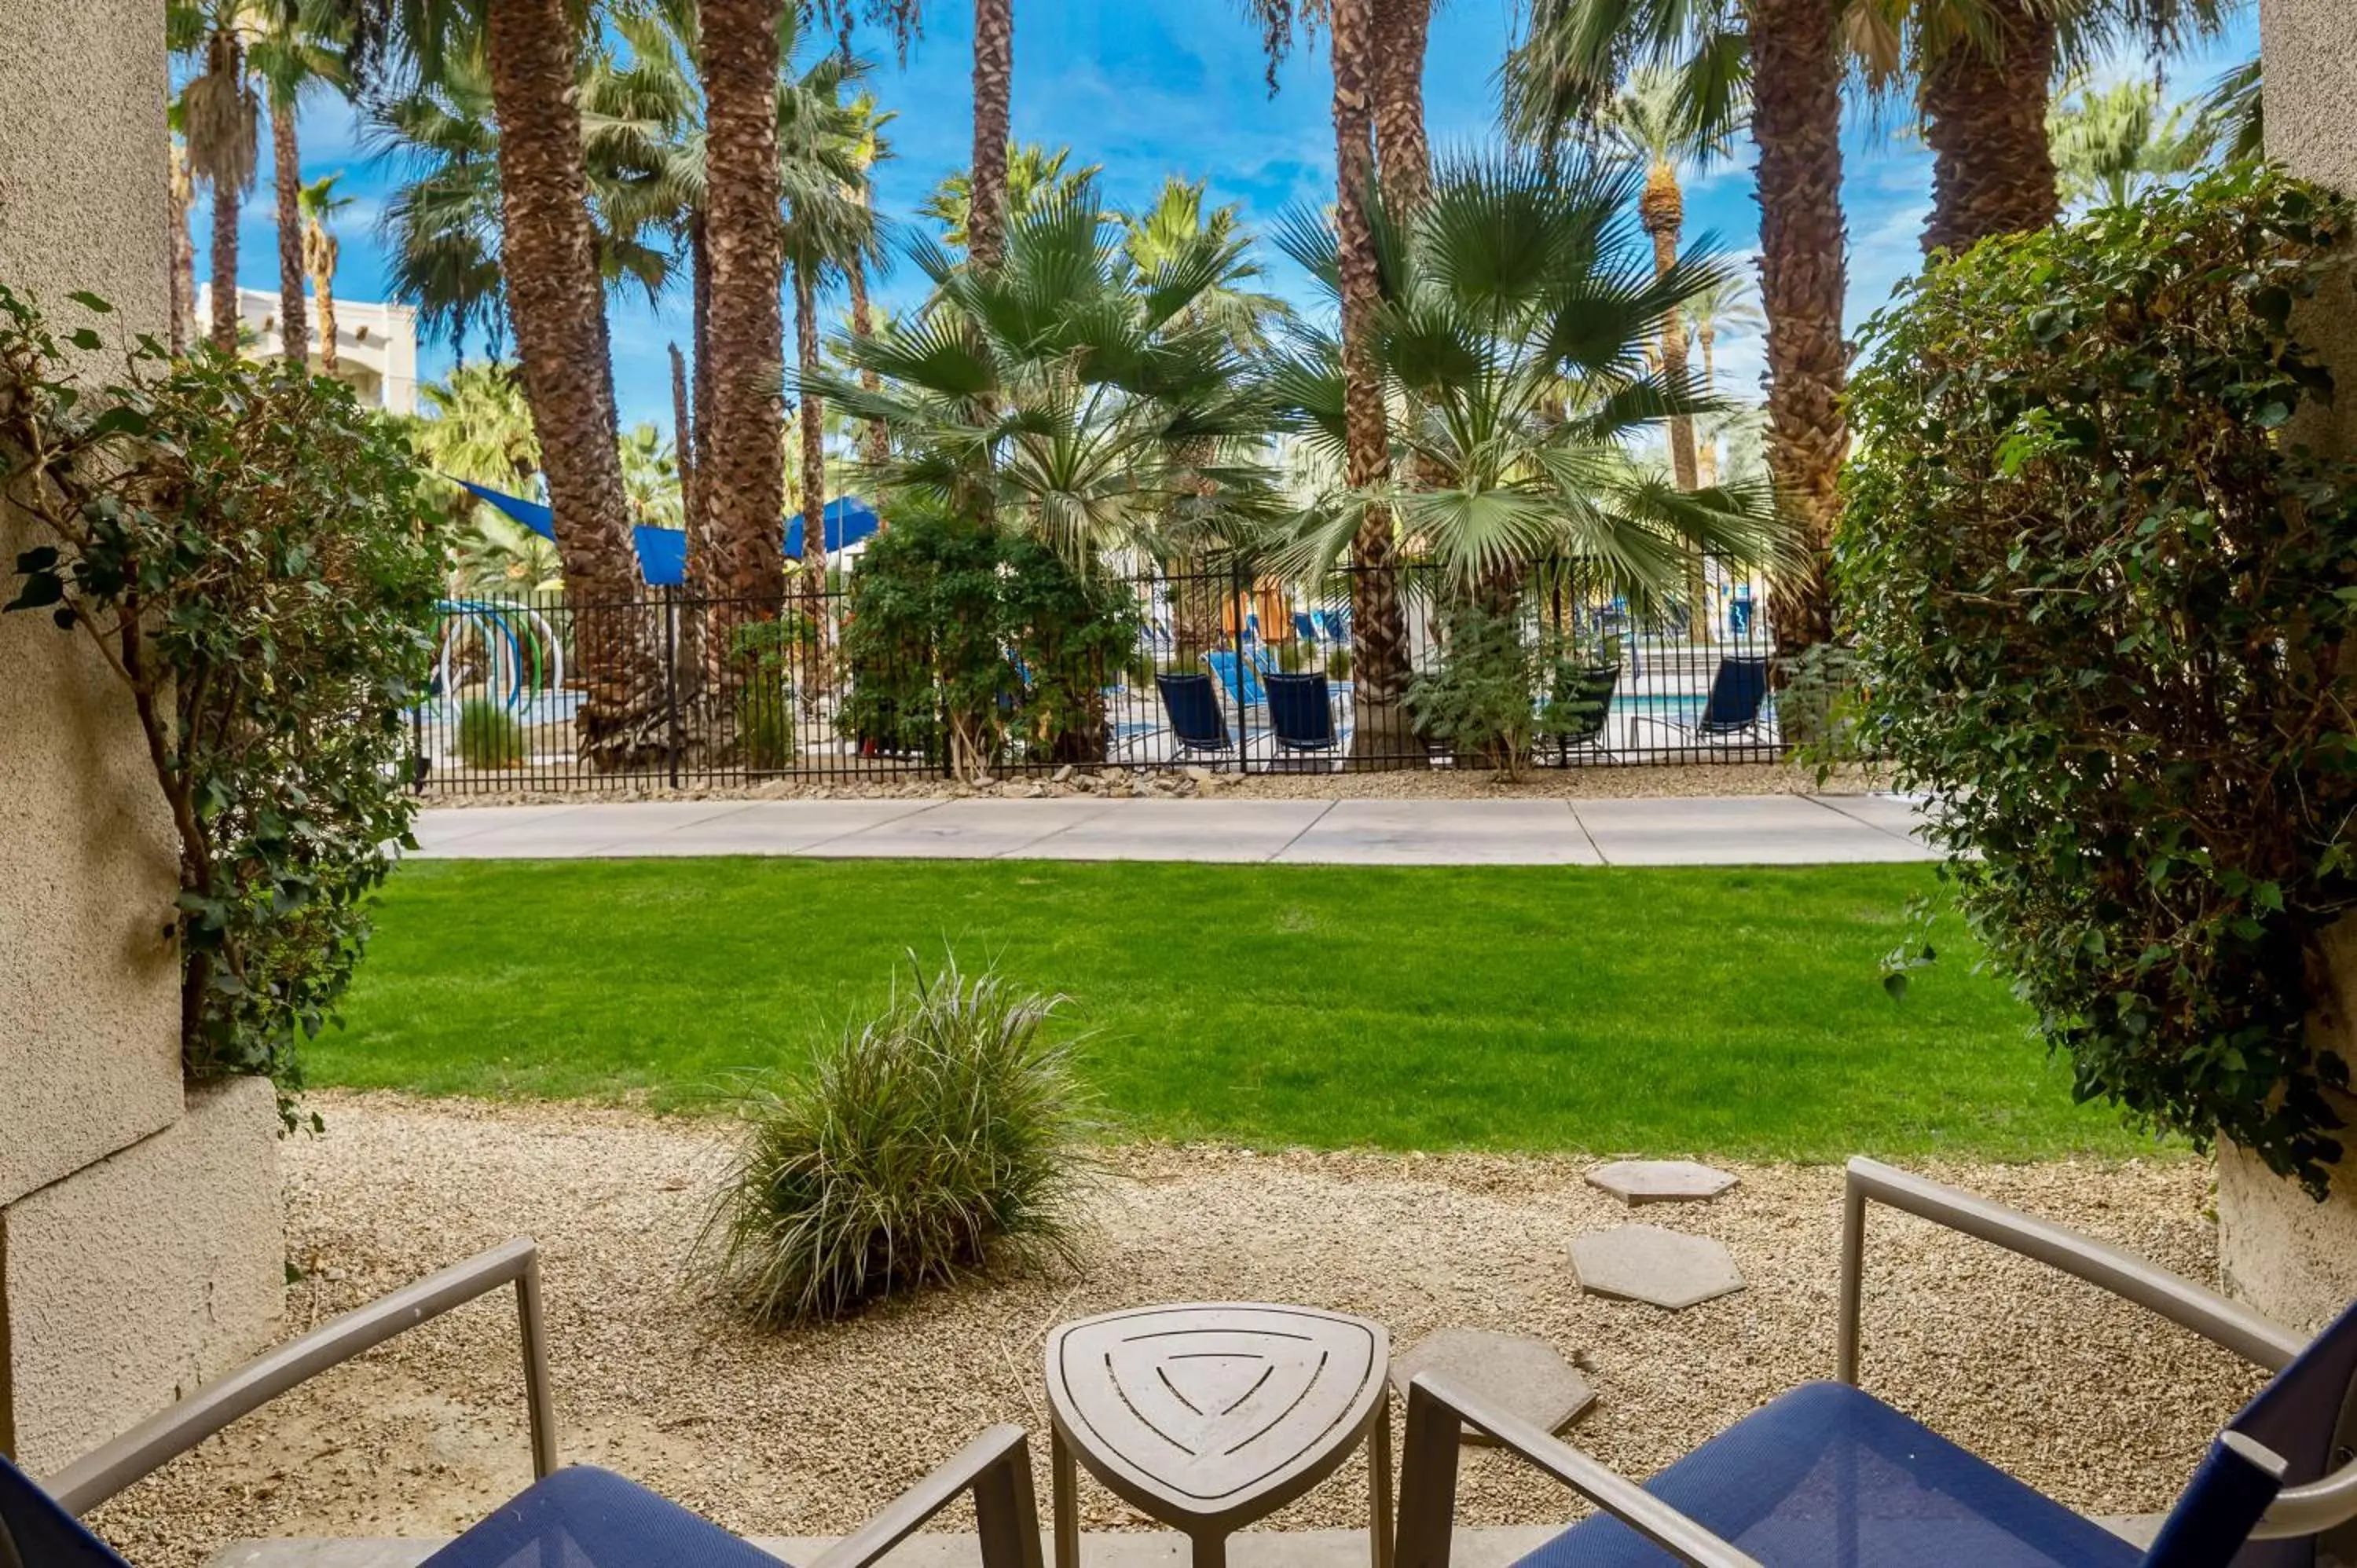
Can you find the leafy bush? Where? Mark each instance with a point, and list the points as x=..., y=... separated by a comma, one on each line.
x=489, y=735
x=250, y=554
x=1495, y=686
x=1072, y=632
x=2100, y=593
x=907, y=1153
x=765, y=698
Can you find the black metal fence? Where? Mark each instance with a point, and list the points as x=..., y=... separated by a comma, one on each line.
x=541, y=692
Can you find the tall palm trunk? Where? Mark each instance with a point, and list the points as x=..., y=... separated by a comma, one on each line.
x=1378, y=629
x=226, y=199
x=1796, y=121
x=1706, y=453
x=184, y=253
x=993, y=82
x=742, y=475
x=687, y=658
x=286, y=176
x=323, y=284
x=556, y=303
x=1404, y=28
x=1661, y=210
x=811, y=421
x=875, y=442
x=1985, y=116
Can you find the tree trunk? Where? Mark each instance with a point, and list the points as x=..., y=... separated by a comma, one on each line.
x=323, y=284
x=1707, y=453
x=1796, y=121
x=556, y=303
x=811, y=420
x=183, y=255
x=994, y=79
x=1404, y=27
x=742, y=475
x=1663, y=212
x=286, y=176
x=224, y=267
x=875, y=441
x=1381, y=736
x=688, y=659
x=1985, y=117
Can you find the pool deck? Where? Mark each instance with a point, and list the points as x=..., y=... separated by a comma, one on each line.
x=1750, y=830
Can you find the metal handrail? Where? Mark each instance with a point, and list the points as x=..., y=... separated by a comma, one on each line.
x=147, y=1448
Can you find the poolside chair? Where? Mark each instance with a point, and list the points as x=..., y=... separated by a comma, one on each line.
x=1591, y=701
x=1301, y=713
x=1238, y=684
x=575, y=1517
x=1196, y=722
x=1737, y=703
x=1829, y=1474
x=1305, y=629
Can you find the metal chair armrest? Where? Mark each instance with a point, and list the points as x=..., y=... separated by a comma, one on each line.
x=2214, y=1316
x=108, y=1469
x=1438, y=1408
x=994, y=1466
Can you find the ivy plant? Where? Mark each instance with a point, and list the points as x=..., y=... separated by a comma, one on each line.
x=2100, y=588
x=249, y=552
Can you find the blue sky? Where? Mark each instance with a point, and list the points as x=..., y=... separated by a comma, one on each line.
x=1148, y=88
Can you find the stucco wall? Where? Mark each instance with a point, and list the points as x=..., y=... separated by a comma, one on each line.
x=140, y=1244
x=139, y=1278
x=2292, y=1258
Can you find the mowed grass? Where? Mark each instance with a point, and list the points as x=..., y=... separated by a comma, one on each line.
x=1735, y=1012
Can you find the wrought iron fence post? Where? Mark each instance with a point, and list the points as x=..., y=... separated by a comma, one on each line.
x=1238, y=603
x=671, y=679
x=418, y=748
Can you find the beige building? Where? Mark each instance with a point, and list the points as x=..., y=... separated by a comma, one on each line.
x=140, y=1233
x=376, y=345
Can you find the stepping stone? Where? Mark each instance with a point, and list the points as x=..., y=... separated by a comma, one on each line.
x=1647, y=1264
x=1660, y=1181
x=1519, y=1374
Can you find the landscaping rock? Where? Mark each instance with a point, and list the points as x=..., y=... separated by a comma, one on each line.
x=1023, y=791
x=1199, y=773
x=1064, y=774
x=1661, y=1268
x=1660, y=1181
x=1519, y=1374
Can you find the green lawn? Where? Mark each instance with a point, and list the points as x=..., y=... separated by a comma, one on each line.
x=1664, y=1011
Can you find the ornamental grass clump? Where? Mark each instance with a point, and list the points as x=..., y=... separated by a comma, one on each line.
x=944, y=1135
x=2102, y=578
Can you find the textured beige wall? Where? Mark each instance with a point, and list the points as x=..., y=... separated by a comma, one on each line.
x=89, y=1059
x=2292, y=1258
x=133, y=1281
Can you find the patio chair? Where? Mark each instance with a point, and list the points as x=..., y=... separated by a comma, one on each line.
x=1196, y=722
x=1829, y=1474
x=1591, y=696
x=576, y=1518
x=1305, y=629
x=1737, y=702
x=1238, y=684
x=1301, y=713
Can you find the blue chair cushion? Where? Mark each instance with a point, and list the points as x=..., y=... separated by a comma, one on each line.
x=1827, y=1476
x=44, y=1534
x=587, y=1518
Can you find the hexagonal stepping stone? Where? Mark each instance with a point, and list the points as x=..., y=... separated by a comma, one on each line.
x=1647, y=1264
x=1660, y=1181
x=1514, y=1371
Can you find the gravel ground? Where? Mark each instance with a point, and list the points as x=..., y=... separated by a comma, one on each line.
x=806, y=1433
x=1646, y=782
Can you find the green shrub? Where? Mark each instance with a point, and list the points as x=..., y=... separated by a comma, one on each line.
x=764, y=650
x=1338, y=664
x=911, y=1151
x=252, y=555
x=1481, y=699
x=2100, y=593
x=489, y=735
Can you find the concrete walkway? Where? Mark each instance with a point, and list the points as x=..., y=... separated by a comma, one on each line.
x=1749, y=830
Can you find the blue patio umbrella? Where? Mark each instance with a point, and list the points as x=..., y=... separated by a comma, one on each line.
x=662, y=551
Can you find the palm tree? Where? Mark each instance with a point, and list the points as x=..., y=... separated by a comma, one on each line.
x=1404, y=27
x=868, y=149
x=1985, y=71
x=2111, y=144
x=1058, y=396
x=1729, y=302
x=477, y=426
x=217, y=112
x=1519, y=314
x=296, y=46
x=181, y=244
x=1788, y=54
x=2233, y=118
x=650, y=478
x=317, y=204
x=1034, y=176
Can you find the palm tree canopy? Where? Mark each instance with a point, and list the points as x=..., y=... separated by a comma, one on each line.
x=1035, y=178
x=1518, y=308
x=2111, y=144
x=1175, y=230
x=1064, y=393
x=2233, y=119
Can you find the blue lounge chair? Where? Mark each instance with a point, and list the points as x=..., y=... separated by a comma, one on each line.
x=1242, y=691
x=1591, y=701
x=1305, y=629
x=1301, y=713
x=1737, y=703
x=578, y=1517
x=1196, y=722
x=1829, y=1475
